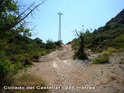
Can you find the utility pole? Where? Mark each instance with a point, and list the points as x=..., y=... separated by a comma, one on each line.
x=59, y=34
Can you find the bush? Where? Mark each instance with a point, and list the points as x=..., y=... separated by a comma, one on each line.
x=43, y=52
x=80, y=55
x=50, y=44
x=36, y=56
x=58, y=43
x=6, y=70
x=101, y=59
x=111, y=50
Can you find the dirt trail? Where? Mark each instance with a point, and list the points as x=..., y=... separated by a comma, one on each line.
x=59, y=69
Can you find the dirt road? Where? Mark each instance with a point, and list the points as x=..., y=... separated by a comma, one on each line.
x=75, y=76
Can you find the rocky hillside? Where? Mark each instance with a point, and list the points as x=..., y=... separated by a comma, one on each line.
x=110, y=35
x=66, y=75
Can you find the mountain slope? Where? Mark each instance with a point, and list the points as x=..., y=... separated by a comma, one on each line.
x=110, y=35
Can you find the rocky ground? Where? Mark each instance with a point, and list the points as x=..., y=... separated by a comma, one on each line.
x=75, y=76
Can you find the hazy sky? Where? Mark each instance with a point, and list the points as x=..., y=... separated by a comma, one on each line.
x=90, y=13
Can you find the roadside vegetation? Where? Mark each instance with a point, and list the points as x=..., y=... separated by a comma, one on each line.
x=79, y=51
x=17, y=49
x=101, y=59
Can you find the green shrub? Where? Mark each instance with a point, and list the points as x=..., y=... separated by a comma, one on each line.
x=58, y=43
x=80, y=53
x=50, y=44
x=6, y=70
x=101, y=59
x=43, y=52
x=17, y=66
x=111, y=50
x=36, y=56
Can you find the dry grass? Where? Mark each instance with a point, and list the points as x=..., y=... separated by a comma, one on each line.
x=111, y=50
x=25, y=80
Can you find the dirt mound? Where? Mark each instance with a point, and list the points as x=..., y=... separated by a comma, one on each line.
x=75, y=76
x=64, y=54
